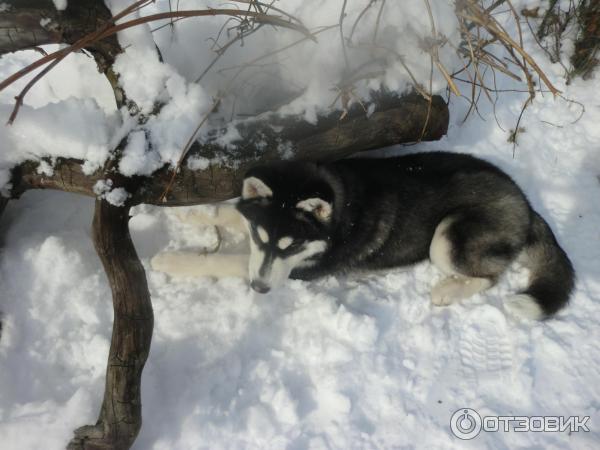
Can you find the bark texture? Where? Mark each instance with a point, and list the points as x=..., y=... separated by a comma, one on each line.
x=121, y=415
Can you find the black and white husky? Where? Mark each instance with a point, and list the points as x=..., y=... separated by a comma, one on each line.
x=468, y=217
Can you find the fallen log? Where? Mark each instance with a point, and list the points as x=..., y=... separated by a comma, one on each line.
x=395, y=120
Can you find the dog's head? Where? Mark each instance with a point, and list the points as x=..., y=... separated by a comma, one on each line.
x=288, y=211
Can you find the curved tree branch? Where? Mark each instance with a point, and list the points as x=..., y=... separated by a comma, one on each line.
x=121, y=414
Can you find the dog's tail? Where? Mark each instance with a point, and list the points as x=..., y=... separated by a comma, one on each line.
x=552, y=276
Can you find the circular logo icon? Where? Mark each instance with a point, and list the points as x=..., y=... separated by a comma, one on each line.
x=465, y=423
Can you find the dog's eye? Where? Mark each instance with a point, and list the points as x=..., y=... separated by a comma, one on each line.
x=285, y=242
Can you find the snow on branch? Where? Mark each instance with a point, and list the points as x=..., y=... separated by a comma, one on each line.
x=213, y=170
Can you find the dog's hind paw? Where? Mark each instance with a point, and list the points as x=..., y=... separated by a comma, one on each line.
x=453, y=289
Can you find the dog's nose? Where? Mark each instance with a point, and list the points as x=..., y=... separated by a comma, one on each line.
x=259, y=286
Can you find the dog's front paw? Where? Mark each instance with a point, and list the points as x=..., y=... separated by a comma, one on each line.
x=447, y=291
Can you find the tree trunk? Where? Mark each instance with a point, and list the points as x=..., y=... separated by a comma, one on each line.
x=121, y=414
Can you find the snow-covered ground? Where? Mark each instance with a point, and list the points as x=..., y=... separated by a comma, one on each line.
x=340, y=363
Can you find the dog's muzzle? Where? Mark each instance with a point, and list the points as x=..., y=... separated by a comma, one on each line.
x=260, y=286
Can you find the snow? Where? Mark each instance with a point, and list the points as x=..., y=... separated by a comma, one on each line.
x=75, y=128
x=344, y=362
x=45, y=21
x=285, y=150
x=115, y=196
x=198, y=163
x=184, y=103
x=45, y=168
x=60, y=5
x=136, y=159
x=59, y=117
x=229, y=136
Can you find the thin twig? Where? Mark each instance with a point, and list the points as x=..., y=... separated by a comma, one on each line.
x=279, y=50
x=187, y=147
x=341, y=24
x=360, y=16
x=259, y=17
x=430, y=101
x=268, y=7
x=434, y=51
x=513, y=136
x=224, y=48
x=378, y=21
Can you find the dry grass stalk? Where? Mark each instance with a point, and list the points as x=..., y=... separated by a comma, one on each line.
x=471, y=11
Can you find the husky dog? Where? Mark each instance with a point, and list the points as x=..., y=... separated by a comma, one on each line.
x=468, y=217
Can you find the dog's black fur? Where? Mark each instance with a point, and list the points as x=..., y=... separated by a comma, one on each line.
x=385, y=213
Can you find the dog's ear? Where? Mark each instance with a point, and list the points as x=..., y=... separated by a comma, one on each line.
x=255, y=188
x=317, y=207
